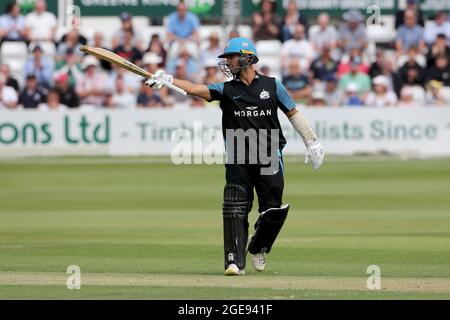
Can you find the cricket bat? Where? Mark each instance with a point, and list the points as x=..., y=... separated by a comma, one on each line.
x=117, y=60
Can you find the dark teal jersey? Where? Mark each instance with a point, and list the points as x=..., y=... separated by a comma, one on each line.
x=253, y=107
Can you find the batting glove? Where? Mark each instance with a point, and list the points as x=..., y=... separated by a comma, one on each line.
x=315, y=154
x=159, y=79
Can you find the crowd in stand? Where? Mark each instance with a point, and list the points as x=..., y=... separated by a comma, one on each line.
x=322, y=64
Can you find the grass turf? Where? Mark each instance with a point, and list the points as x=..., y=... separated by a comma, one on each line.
x=134, y=218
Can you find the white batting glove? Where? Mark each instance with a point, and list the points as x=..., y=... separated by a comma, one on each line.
x=315, y=154
x=159, y=79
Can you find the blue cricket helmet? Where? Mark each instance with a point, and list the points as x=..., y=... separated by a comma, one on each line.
x=240, y=46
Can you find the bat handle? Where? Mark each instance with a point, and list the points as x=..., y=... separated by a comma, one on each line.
x=175, y=88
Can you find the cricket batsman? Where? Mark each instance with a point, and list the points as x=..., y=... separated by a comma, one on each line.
x=249, y=103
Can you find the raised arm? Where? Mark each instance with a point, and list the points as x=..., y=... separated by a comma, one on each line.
x=193, y=89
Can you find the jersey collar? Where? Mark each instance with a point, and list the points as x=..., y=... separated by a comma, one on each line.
x=256, y=77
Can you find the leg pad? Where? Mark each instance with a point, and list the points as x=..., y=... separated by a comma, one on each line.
x=267, y=228
x=235, y=224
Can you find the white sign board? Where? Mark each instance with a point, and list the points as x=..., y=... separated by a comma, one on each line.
x=422, y=131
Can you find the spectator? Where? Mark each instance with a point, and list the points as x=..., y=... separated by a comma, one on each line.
x=8, y=96
x=299, y=49
x=40, y=24
x=388, y=71
x=412, y=55
x=98, y=41
x=434, y=94
x=212, y=73
x=40, y=66
x=334, y=96
x=156, y=46
x=438, y=48
x=318, y=99
x=344, y=66
x=410, y=5
x=92, y=87
x=440, y=71
x=67, y=94
x=33, y=94
x=148, y=98
x=291, y=19
x=382, y=66
x=352, y=98
x=214, y=50
x=325, y=35
x=324, y=66
x=10, y=81
x=376, y=68
x=265, y=71
x=407, y=98
x=381, y=96
x=53, y=102
x=80, y=39
x=151, y=62
x=183, y=25
x=440, y=25
x=127, y=50
x=297, y=84
x=409, y=35
x=266, y=24
x=234, y=33
x=71, y=43
x=69, y=65
x=356, y=77
x=108, y=101
x=182, y=73
x=352, y=33
x=132, y=81
x=411, y=74
x=12, y=24
x=122, y=98
x=127, y=26
x=184, y=57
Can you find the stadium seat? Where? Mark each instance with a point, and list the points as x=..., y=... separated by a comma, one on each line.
x=17, y=66
x=268, y=47
x=15, y=55
x=18, y=50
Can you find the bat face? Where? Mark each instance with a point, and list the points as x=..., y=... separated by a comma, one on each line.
x=115, y=59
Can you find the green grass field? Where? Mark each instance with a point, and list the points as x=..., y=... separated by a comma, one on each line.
x=145, y=230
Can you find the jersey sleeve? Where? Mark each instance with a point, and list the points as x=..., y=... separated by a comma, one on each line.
x=216, y=90
x=284, y=100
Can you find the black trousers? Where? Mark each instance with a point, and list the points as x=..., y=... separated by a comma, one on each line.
x=269, y=188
